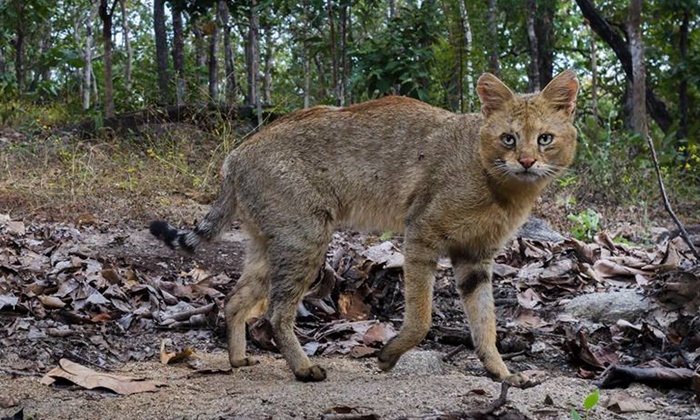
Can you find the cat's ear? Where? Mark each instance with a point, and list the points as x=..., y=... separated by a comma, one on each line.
x=492, y=93
x=561, y=92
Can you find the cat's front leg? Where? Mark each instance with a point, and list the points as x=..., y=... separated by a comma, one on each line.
x=474, y=285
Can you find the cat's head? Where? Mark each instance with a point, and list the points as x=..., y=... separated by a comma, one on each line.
x=527, y=138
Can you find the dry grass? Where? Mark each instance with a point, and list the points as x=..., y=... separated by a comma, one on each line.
x=151, y=174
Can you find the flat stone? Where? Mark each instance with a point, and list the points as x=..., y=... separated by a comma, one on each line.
x=419, y=362
x=608, y=308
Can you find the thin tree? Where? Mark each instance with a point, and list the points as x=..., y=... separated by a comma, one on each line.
x=87, y=80
x=127, y=45
x=161, y=49
x=533, y=69
x=107, y=15
x=636, y=46
x=179, y=56
x=468, y=42
x=492, y=44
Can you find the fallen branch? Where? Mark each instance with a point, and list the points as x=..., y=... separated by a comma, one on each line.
x=623, y=376
x=667, y=204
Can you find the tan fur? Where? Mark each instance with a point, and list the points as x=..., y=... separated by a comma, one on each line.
x=447, y=181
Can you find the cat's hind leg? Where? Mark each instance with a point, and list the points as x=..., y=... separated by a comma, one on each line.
x=248, y=299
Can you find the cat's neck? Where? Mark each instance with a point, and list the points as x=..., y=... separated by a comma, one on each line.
x=514, y=195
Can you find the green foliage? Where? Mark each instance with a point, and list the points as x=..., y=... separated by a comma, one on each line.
x=585, y=224
x=589, y=403
x=399, y=60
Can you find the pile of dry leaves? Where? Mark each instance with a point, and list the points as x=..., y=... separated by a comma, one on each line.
x=59, y=301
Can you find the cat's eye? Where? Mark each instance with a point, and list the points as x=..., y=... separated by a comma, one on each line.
x=508, y=139
x=545, y=139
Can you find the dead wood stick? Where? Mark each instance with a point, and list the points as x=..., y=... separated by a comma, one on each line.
x=455, y=351
x=185, y=315
x=667, y=204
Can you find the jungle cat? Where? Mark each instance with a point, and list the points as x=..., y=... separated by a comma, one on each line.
x=456, y=185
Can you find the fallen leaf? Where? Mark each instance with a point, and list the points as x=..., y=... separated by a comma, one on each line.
x=167, y=358
x=622, y=402
x=91, y=379
x=51, y=302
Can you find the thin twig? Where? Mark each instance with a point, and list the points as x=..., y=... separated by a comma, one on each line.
x=454, y=352
x=667, y=204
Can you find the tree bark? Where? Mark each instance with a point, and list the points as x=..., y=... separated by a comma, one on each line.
x=492, y=45
x=179, y=57
x=306, y=58
x=594, y=78
x=231, y=87
x=656, y=108
x=87, y=56
x=334, y=55
x=544, y=29
x=213, y=63
x=106, y=14
x=533, y=74
x=468, y=41
x=639, y=110
x=254, y=61
x=200, y=57
x=161, y=49
x=18, y=43
x=267, y=69
x=683, y=101
x=127, y=45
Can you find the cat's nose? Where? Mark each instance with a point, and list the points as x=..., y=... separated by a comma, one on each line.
x=527, y=162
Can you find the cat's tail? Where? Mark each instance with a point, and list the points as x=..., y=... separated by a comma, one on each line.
x=219, y=216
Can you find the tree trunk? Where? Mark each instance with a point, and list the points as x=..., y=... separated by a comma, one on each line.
x=656, y=108
x=683, y=102
x=306, y=58
x=231, y=88
x=343, y=18
x=106, y=14
x=254, y=61
x=544, y=30
x=179, y=57
x=200, y=57
x=213, y=58
x=639, y=110
x=334, y=55
x=267, y=70
x=18, y=43
x=594, y=78
x=533, y=69
x=492, y=45
x=127, y=45
x=87, y=55
x=161, y=49
x=469, y=76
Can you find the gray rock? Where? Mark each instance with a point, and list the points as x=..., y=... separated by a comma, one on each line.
x=608, y=308
x=539, y=230
x=418, y=362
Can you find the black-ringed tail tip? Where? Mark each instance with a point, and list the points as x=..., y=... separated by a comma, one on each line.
x=181, y=240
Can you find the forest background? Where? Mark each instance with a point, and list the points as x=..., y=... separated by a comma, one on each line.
x=65, y=63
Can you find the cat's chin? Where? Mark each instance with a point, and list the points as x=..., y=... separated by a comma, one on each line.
x=527, y=177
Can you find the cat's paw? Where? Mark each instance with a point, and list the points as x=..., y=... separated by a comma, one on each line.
x=313, y=373
x=522, y=380
x=246, y=361
x=386, y=362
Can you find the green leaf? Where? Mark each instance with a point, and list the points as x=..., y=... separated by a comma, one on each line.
x=575, y=415
x=591, y=400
